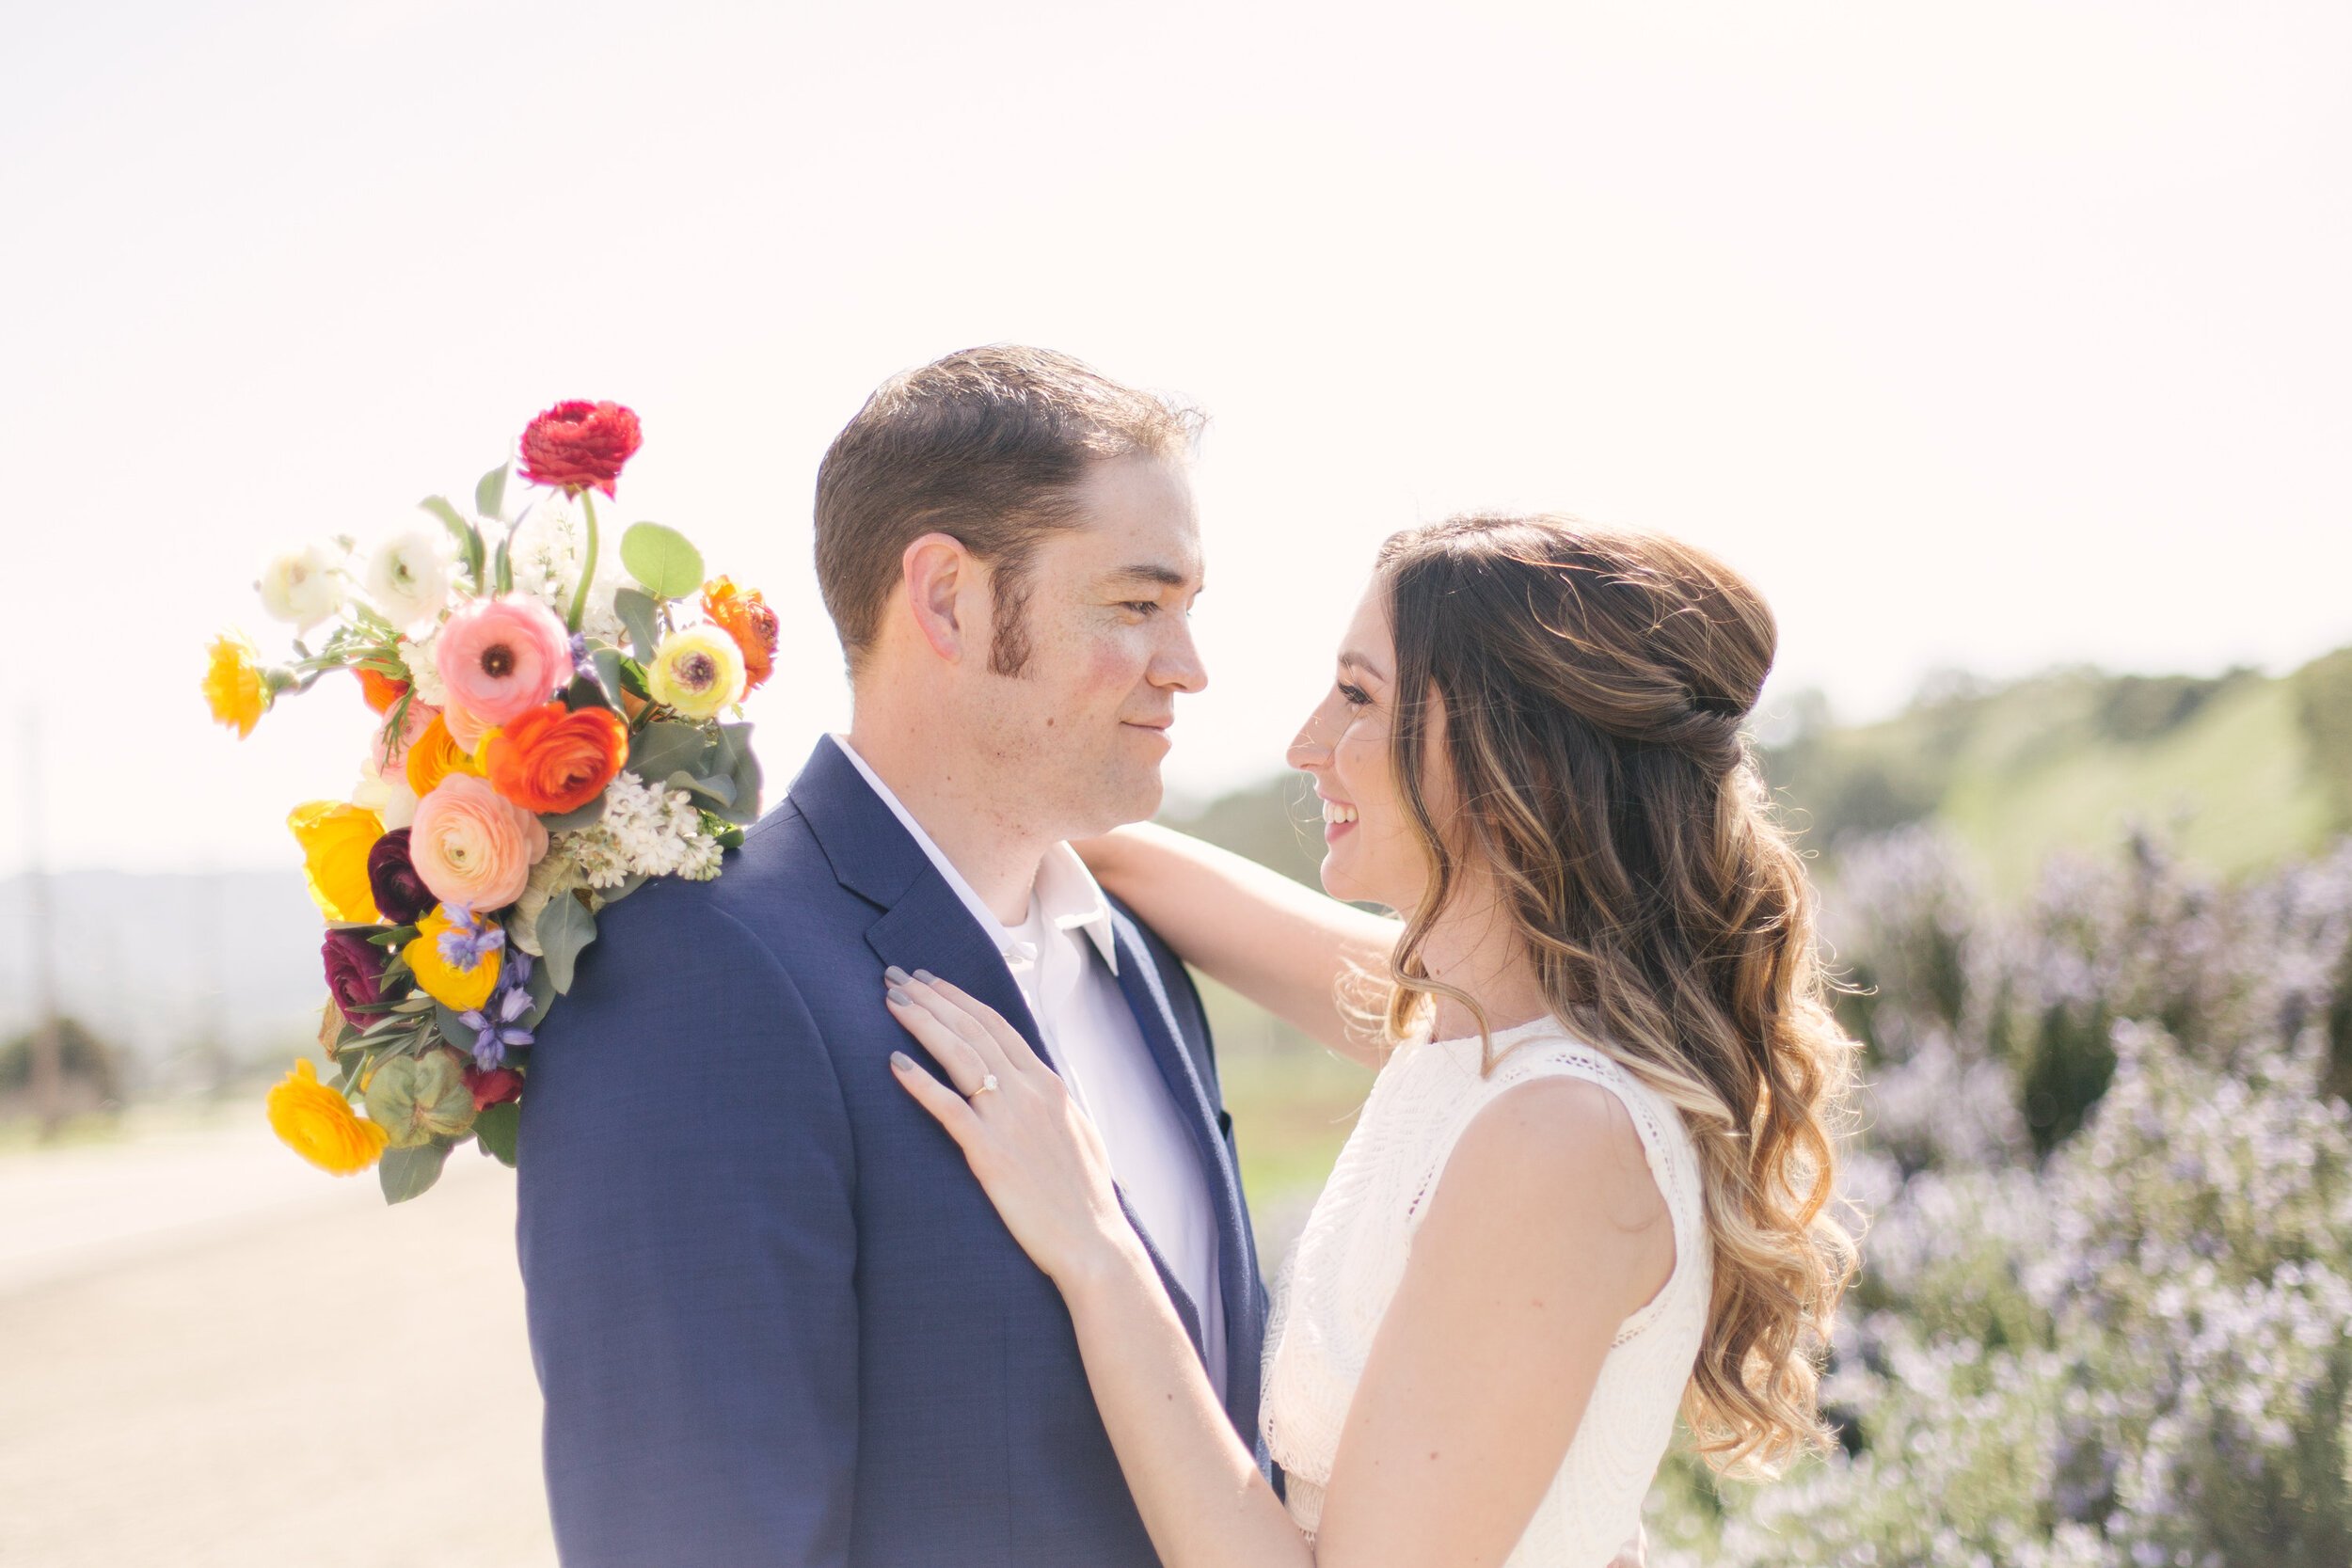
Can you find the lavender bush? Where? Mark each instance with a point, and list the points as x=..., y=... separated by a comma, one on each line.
x=2105, y=1316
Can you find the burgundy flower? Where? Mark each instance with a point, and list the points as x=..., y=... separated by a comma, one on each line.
x=494, y=1085
x=355, y=974
x=400, y=892
x=579, y=445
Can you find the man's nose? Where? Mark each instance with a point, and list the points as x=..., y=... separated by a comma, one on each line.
x=1179, y=664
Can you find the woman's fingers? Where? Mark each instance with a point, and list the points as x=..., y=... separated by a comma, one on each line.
x=967, y=1070
x=948, y=1108
x=1007, y=1040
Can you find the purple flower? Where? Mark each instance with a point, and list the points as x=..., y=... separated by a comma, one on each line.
x=497, y=1028
x=468, y=940
x=354, y=974
x=400, y=892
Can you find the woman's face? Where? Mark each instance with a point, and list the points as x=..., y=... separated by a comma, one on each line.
x=1372, y=852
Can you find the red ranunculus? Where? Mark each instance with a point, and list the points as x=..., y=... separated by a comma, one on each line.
x=490, y=1088
x=400, y=892
x=355, y=974
x=579, y=445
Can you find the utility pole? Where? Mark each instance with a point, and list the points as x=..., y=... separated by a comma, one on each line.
x=48, y=1071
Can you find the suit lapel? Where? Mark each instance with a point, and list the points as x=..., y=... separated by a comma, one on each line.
x=1147, y=998
x=925, y=925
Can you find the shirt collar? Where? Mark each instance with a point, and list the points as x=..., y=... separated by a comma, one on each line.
x=1066, y=891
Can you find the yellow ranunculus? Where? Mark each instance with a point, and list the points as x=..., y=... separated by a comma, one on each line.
x=697, y=670
x=233, y=688
x=460, y=990
x=335, y=839
x=320, y=1125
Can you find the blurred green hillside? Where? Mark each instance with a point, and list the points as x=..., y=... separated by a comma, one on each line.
x=2239, y=770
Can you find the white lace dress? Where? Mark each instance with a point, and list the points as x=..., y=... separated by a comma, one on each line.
x=1350, y=1259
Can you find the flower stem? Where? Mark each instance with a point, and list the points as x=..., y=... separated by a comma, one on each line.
x=587, y=563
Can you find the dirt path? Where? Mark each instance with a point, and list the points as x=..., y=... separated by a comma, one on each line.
x=212, y=1354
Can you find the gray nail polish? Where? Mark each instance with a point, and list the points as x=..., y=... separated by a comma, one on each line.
x=896, y=976
x=926, y=976
x=901, y=997
x=903, y=1062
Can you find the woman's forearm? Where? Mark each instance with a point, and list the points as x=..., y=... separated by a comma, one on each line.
x=1283, y=946
x=1197, y=1487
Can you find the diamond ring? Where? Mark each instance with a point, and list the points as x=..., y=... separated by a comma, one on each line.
x=986, y=1085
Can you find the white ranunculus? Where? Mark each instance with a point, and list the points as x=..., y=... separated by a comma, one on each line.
x=387, y=795
x=300, y=587
x=409, y=577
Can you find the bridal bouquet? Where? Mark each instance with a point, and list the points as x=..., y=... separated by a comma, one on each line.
x=548, y=737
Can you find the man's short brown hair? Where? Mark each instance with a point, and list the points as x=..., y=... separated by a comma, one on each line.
x=987, y=446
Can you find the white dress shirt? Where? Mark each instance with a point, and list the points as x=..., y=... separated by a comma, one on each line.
x=1065, y=961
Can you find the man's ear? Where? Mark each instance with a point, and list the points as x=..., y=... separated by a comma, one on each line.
x=939, y=576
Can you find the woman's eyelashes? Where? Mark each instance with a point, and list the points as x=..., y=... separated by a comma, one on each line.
x=1354, y=696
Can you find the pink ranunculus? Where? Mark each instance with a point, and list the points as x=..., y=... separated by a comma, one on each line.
x=463, y=728
x=501, y=658
x=472, y=847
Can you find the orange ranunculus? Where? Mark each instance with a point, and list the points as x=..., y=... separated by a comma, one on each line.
x=746, y=618
x=380, y=689
x=335, y=839
x=434, y=756
x=554, y=759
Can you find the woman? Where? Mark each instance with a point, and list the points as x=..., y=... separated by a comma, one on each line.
x=1592, y=1184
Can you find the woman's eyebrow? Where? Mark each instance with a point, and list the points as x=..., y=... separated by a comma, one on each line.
x=1350, y=659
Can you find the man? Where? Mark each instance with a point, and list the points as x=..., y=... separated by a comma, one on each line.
x=774, y=1319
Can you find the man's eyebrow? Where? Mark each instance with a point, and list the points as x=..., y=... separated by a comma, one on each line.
x=1151, y=572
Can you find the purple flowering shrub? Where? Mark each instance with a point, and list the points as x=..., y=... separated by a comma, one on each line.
x=2106, y=1312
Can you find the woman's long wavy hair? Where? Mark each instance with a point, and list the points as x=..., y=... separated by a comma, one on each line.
x=1594, y=686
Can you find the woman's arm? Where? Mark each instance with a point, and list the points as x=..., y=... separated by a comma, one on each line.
x=1545, y=1234
x=1283, y=946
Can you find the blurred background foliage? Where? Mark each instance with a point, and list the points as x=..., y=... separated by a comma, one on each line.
x=2099, y=934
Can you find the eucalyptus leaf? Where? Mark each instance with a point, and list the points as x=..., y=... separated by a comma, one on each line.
x=662, y=560
x=542, y=988
x=565, y=928
x=585, y=692
x=458, y=1034
x=469, y=538
x=608, y=667
x=407, y=1172
x=571, y=821
x=637, y=612
x=497, y=1127
x=490, y=492
x=666, y=748
x=718, y=787
x=629, y=884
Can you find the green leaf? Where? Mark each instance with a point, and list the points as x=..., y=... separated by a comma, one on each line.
x=584, y=691
x=608, y=666
x=636, y=611
x=469, y=539
x=406, y=1172
x=490, y=492
x=571, y=821
x=565, y=928
x=497, y=1127
x=454, y=1030
x=661, y=559
x=666, y=748
x=719, y=788
x=743, y=768
x=542, y=988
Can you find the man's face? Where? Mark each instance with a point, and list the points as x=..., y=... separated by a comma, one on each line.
x=1085, y=722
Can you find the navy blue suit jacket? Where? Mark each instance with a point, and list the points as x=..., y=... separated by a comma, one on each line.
x=776, y=1317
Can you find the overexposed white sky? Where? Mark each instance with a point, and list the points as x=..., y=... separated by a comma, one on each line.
x=1988, y=336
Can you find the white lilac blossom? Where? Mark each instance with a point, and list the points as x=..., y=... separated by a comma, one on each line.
x=647, y=831
x=424, y=675
x=546, y=554
x=2105, y=1312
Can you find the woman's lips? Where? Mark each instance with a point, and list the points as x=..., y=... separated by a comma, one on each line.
x=1337, y=817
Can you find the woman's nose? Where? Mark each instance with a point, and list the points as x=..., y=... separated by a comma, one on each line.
x=1308, y=751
